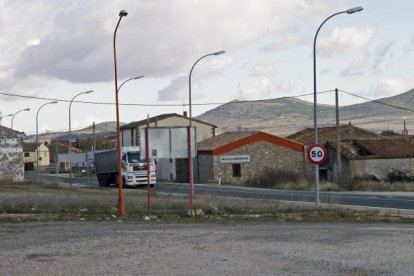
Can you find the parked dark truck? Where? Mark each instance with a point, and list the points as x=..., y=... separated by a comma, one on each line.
x=134, y=170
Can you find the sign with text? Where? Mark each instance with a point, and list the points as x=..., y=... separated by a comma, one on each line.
x=317, y=154
x=235, y=159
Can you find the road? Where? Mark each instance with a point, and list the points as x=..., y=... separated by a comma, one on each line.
x=160, y=248
x=403, y=201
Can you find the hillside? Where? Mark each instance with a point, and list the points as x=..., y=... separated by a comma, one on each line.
x=101, y=129
x=288, y=115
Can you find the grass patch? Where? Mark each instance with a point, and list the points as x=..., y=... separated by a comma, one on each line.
x=54, y=201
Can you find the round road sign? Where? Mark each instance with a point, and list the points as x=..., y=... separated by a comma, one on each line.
x=317, y=154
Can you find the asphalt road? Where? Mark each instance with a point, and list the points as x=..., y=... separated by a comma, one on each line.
x=158, y=248
x=404, y=201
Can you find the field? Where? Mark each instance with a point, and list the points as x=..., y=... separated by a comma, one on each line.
x=54, y=201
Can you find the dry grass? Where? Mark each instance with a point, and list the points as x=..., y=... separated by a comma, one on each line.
x=56, y=201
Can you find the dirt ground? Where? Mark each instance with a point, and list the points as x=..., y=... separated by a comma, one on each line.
x=158, y=248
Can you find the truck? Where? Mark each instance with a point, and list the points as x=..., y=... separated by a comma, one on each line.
x=134, y=170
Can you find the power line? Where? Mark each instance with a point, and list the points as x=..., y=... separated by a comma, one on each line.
x=211, y=103
x=158, y=105
x=376, y=101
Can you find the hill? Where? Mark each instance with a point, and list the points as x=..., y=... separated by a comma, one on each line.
x=288, y=115
x=101, y=130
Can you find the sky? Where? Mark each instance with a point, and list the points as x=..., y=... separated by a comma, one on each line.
x=56, y=49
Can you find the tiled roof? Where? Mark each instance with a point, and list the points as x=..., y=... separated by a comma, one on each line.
x=347, y=132
x=376, y=149
x=222, y=139
x=159, y=118
x=234, y=139
x=6, y=131
x=30, y=147
x=62, y=144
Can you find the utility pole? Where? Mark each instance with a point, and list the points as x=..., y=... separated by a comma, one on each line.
x=338, y=141
x=93, y=138
x=405, y=131
x=56, y=156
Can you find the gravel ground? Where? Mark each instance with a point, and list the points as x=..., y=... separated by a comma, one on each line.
x=156, y=248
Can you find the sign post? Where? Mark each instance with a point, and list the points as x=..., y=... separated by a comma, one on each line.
x=317, y=155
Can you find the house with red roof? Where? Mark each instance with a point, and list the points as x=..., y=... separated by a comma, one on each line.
x=236, y=157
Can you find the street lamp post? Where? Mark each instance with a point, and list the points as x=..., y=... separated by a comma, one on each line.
x=315, y=118
x=1, y=117
x=125, y=81
x=190, y=158
x=37, y=136
x=70, y=134
x=121, y=201
x=26, y=109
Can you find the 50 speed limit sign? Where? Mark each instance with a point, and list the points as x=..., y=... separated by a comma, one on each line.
x=317, y=154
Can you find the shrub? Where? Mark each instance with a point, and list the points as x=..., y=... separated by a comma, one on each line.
x=399, y=176
x=277, y=178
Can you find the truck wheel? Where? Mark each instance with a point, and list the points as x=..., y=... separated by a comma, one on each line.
x=102, y=181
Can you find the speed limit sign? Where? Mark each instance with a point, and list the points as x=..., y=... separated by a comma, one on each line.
x=317, y=154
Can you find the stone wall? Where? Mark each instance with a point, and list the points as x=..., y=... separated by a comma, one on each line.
x=11, y=159
x=380, y=168
x=262, y=155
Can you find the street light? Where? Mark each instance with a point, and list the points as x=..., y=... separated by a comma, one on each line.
x=190, y=158
x=315, y=118
x=125, y=81
x=26, y=109
x=70, y=135
x=8, y=115
x=37, y=137
x=121, y=201
x=1, y=124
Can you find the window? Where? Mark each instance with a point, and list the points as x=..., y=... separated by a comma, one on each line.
x=236, y=170
x=27, y=154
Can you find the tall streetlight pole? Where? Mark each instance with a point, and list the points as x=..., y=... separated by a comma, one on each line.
x=127, y=80
x=121, y=201
x=315, y=118
x=37, y=136
x=26, y=109
x=70, y=134
x=190, y=158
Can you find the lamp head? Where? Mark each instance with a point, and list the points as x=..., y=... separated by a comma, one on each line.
x=27, y=109
x=54, y=102
x=138, y=77
x=354, y=10
x=87, y=92
x=219, y=53
x=123, y=13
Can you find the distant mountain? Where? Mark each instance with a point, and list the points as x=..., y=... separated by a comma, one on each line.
x=288, y=115
x=101, y=130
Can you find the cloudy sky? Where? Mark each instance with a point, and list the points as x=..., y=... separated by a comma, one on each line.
x=55, y=49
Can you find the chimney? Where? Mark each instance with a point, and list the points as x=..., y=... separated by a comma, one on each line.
x=185, y=113
x=350, y=123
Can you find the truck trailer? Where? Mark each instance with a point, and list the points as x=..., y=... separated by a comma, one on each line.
x=134, y=170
